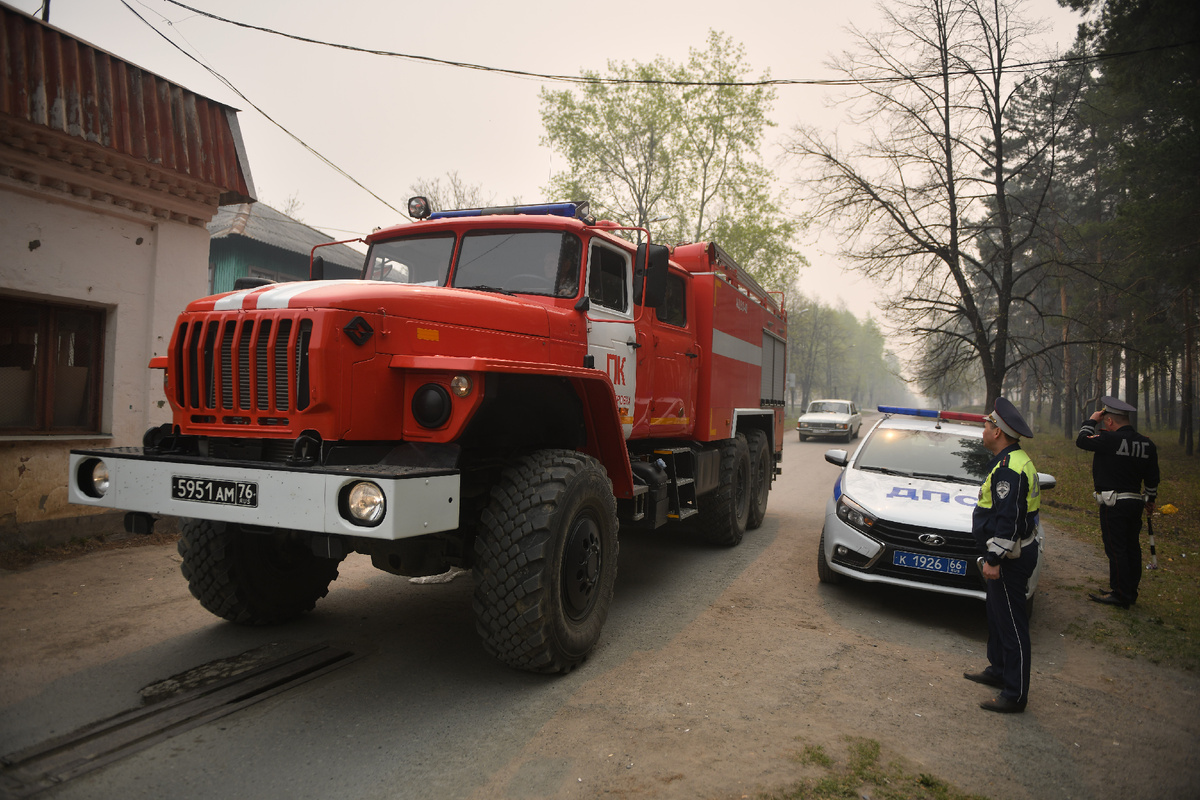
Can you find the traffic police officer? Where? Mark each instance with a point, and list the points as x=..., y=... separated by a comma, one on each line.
x=1004, y=524
x=1122, y=461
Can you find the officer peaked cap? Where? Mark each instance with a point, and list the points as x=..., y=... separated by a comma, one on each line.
x=1117, y=406
x=1008, y=419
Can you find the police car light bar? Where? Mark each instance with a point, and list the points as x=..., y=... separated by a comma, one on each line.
x=961, y=416
x=908, y=412
x=958, y=416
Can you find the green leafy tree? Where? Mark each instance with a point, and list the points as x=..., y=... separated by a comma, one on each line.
x=678, y=145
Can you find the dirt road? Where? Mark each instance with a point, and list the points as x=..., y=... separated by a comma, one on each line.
x=744, y=669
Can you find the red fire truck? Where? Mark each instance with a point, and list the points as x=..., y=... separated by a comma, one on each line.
x=501, y=391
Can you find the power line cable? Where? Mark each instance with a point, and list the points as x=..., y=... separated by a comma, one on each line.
x=269, y=118
x=595, y=79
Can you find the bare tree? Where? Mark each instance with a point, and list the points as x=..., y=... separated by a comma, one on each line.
x=928, y=201
x=456, y=193
x=292, y=206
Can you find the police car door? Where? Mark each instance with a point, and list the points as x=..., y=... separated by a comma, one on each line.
x=611, y=335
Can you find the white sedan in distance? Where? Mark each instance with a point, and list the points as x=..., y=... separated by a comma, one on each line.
x=835, y=418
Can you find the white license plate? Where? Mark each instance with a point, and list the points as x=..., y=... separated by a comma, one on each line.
x=206, y=490
x=950, y=566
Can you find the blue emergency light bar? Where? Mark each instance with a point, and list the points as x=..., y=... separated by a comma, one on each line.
x=908, y=412
x=955, y=416
x=572, y=210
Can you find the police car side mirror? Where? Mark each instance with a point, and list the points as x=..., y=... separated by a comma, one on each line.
x=1046, y=481
x=837, y=457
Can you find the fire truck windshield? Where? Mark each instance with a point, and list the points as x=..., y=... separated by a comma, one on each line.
x=423, y=260
x=528, y=262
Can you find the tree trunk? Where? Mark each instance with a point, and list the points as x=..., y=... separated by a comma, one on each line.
x=1131, y=386
x=1186, y=437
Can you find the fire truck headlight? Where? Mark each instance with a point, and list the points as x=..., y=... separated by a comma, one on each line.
x=93, y=477
x=431, y=405
x=460, y=385
x=366, y=504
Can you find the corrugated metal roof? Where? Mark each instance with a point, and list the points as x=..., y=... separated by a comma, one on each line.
x=51, y=79
x=264, y=224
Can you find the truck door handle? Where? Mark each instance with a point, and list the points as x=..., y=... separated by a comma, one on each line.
x=690, y=354
x=633, y=344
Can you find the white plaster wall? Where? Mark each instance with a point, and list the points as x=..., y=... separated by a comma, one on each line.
x=143, y=271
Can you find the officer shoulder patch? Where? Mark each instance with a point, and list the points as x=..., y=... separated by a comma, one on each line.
x=1002, y=489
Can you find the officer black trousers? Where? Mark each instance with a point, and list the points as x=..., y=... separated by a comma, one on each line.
x=1120, y=528
x=1008, y=648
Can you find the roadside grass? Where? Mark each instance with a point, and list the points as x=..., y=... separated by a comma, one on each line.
x=861, y=773
x=1163, y=627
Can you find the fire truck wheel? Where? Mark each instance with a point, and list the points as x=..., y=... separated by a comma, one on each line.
x=252, y=578
x=760, y=478
x=725, y=510
x=824, y=573
x=546, y=561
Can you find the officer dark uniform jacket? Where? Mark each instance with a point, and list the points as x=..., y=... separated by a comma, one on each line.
x=1122, y=462
x=1005, y=524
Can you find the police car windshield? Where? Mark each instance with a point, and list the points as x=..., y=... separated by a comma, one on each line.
x=931, y=454
x=423, y=260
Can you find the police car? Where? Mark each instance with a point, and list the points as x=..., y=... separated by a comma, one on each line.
x=901, y=509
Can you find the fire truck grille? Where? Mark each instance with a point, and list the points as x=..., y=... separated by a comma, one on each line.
x=244, y=365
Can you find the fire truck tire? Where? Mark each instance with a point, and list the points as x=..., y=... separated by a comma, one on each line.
x=546, y=561
x=760, y=478
x=252, y=578
x=824, y=573
x=723, y=517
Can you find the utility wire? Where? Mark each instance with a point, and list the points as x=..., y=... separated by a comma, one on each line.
x=269, y=118
x=595, y=79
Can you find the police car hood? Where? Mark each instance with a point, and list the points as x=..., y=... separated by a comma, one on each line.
x=912, y=501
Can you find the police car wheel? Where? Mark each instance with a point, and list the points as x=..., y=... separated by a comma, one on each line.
x=252, y=578
x=825, y=573
x=546, y=561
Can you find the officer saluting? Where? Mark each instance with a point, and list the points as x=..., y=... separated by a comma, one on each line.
x=1123, y=461
x=1004, y=525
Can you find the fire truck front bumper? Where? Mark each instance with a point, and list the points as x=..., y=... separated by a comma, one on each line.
x=373, y=501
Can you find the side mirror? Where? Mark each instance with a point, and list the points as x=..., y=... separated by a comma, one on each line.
x=650, y=268
x=837, y=457
x=317, y=271
x=1046, y=481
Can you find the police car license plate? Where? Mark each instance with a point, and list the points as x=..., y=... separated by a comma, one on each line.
x=950, y=566
x=204, y=490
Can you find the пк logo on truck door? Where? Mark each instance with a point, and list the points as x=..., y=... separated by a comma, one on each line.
x=616, y=372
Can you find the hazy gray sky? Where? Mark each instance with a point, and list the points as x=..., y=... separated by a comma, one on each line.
x=389, y=122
